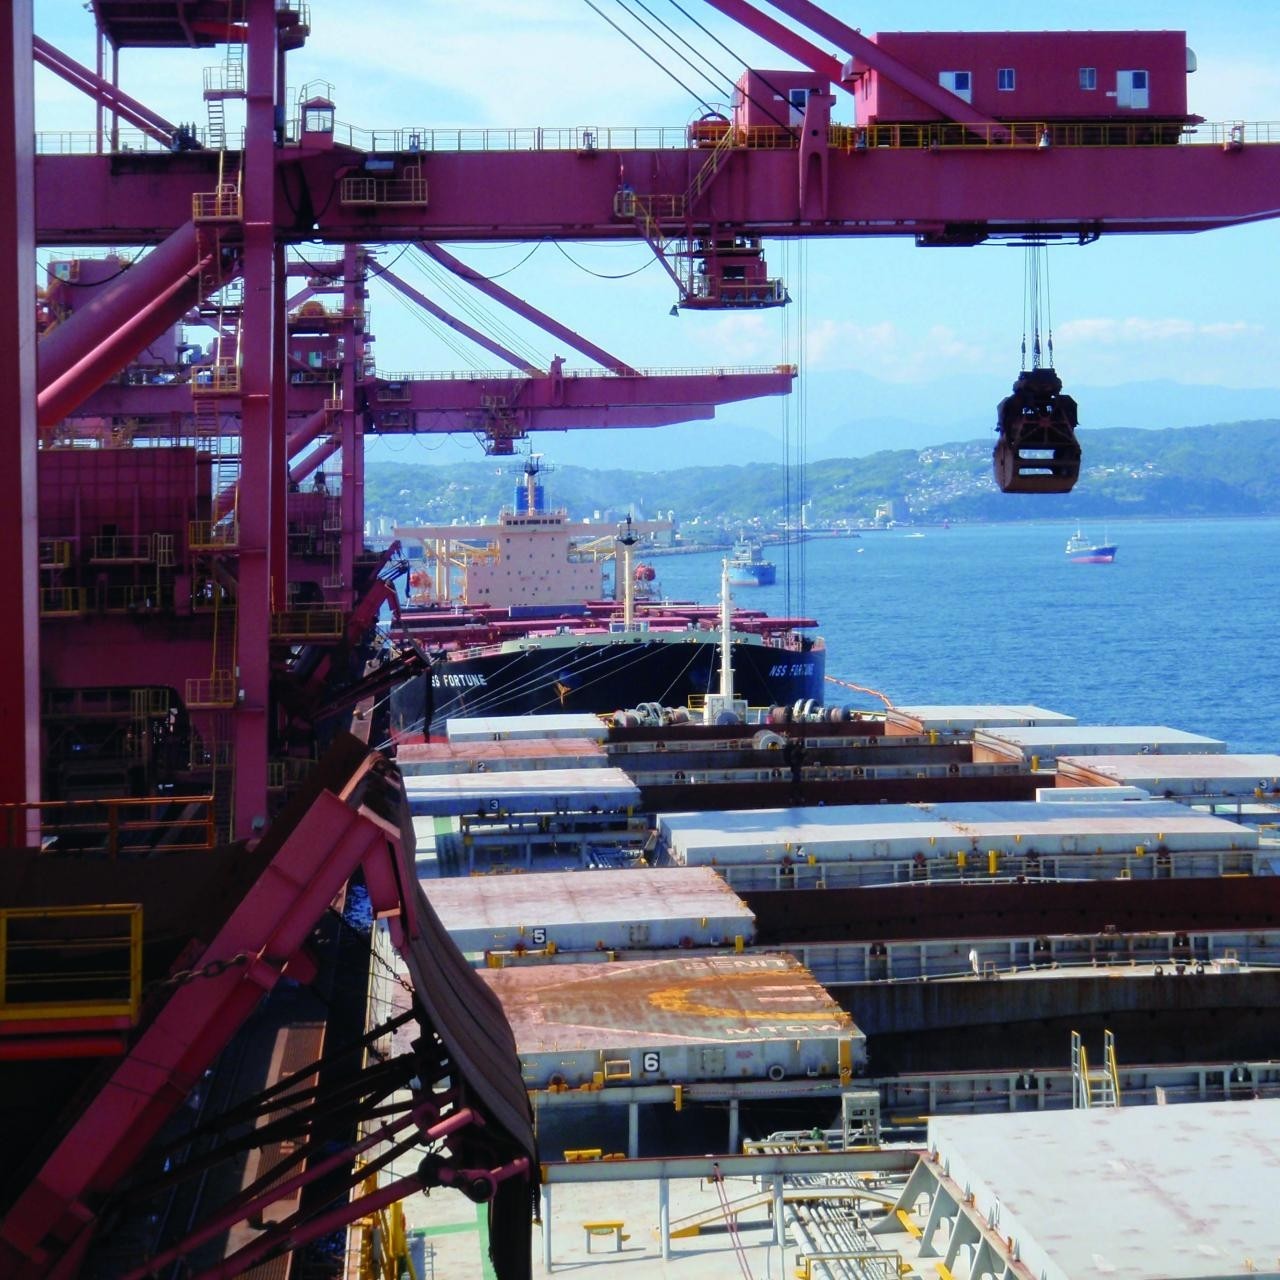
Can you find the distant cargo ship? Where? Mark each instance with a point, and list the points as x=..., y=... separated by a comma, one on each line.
x=1083, y=550
x=748, y=567
x=529, y=629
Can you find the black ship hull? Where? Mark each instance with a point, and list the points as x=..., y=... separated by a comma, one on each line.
x=599, y=677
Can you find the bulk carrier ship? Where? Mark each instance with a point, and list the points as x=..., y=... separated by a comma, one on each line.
x=530, y=631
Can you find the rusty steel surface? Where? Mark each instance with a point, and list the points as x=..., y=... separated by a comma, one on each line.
x=913, y=912
x=1047, y=741
x=961, y=717
x=1174, y=774
x=463, y=756
x=660, y=797
x=690, y=1000
x=555, y=897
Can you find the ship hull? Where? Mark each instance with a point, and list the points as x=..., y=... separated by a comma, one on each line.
x=1093, y=555
x=760, y=575
x=598, y=677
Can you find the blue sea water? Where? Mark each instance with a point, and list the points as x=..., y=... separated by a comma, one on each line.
x=1182, y=630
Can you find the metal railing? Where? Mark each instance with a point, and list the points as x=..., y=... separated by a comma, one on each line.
x=218, y=691
x=63, y=602
x=151, y=824
x=121, y=546
x=213, y=535
x=307, y=624
x=514, y=375
x=70, y=962
x=410, y=140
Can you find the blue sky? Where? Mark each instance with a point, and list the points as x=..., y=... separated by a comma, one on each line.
x=1192, y=309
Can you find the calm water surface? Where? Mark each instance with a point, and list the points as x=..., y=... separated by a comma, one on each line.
x=1181, y=630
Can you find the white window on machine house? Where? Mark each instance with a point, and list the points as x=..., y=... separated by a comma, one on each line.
x=958, y=82
x=1005, y=79
x=1132, y=90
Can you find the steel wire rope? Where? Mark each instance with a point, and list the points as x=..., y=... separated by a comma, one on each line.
x=485, y=318
x=766, y=107
x=447, y=336
x=536, y=677
x=498, y=276
x=802, y=414
x=788, y=558
x=607, y=656
x=725, y=87
x=600, y=275
x=665, y=70
x=729, y=85
x=96, y=284
x=491, y=322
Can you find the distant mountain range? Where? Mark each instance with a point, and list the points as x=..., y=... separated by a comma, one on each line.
x=856, y=416
x=1227, y=469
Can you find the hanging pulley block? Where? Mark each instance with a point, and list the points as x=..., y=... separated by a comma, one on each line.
x=1037, y=451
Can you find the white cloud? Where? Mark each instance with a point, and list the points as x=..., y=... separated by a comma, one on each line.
x=895, y=354
x=1136, y=330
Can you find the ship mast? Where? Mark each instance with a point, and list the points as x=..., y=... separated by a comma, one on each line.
x=627, y=539
x=726, y=639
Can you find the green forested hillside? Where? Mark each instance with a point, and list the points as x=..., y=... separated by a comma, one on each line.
x=1229, y=469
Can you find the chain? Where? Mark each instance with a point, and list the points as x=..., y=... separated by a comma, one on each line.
x=211, y=970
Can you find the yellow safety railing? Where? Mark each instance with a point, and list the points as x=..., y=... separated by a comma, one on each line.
x=224, y=204
x=381, y=1241
x=1017, y=134
x=213, y=535
x=409, y=188
x=220, y=377
x=307, y=624
x=113, y=826
x=55, y=553
x=63, y=602
x=121, y=546
x=134, y=598
x=70, y=962
x=874, y=1264
x=218, y=690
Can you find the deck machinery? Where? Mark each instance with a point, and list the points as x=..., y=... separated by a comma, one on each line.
x=220, y=213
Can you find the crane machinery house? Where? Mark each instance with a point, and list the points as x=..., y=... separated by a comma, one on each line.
x=1056, y=78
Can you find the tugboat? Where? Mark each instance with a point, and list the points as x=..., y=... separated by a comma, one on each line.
x=748, y=567
x=512, y=619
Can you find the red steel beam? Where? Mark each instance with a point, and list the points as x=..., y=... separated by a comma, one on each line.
x=526, y=310
x=249, y=955
x=129, y=312
x=351, y=434
x=883, y=191
x=104, y=92
x=20, y=636
x=259, y=464
x=467, y=331
x=854, y=42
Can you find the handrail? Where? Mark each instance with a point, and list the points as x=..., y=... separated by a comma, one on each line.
x=116, y=825
x=513, y=375
x=40, y=979
x=409, y=140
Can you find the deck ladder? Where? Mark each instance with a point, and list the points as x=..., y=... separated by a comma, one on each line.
x=1094, y=1088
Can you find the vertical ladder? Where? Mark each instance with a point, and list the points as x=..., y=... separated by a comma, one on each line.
x=1094, y=1088
x=224, y=81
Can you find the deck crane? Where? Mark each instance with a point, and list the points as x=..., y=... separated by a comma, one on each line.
x=1037, y=451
